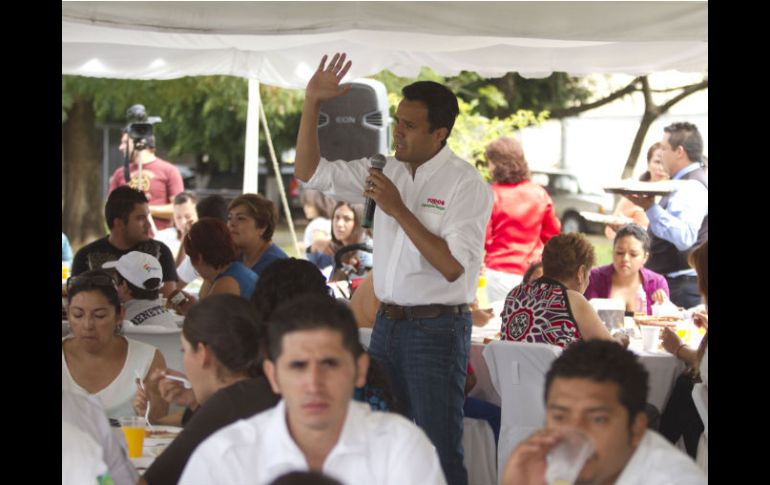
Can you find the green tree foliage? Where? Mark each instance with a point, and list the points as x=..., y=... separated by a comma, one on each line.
x=473, y=130
x=203, y=115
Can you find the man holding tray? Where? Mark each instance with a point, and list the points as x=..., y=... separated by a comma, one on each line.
x=680, y=221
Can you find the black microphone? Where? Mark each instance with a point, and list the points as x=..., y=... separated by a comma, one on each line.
x=376, y=161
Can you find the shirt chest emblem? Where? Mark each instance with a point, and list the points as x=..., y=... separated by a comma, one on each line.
x=434, y=203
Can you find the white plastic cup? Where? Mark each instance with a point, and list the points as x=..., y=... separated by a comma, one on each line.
x=650, y=337
x=566, y=460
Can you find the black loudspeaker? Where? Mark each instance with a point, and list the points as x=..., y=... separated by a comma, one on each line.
x=355, y=125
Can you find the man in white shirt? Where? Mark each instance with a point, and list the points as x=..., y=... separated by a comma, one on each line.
x=85, y=413
x=598, y=388
x=679, y=222
x=185, y=216
x=429, y=227
x=315, y=360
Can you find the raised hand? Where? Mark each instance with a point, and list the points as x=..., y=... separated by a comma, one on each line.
x=325, y=83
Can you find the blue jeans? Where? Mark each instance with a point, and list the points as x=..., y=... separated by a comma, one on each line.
x=426, y=361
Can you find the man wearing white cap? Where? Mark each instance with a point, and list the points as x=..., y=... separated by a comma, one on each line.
x=139, y=277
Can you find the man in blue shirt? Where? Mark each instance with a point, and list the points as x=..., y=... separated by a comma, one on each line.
x=679, y=222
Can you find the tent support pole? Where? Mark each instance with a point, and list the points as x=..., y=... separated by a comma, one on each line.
x=251, y=157
x=279, y=180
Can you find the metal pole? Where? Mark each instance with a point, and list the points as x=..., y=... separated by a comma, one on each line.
x=279, y=179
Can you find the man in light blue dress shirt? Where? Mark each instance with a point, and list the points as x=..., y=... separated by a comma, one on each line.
x=679, y=222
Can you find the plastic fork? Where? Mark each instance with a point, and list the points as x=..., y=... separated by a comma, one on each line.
x=147, y=411
x=185, y=382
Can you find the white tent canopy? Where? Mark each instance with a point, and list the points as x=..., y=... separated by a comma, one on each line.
x=280, y=43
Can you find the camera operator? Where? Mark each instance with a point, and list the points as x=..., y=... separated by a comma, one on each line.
x=161, y=181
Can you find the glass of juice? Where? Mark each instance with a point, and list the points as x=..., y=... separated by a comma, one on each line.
x=133, y=429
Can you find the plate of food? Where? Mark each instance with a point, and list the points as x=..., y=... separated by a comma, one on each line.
x=657, y=320
x=160, y=435
x=605, y=218
x=636, y=187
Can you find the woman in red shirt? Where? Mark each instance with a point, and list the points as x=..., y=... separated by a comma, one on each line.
x=522, y=220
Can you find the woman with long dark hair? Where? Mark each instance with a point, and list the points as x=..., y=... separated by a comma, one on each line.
x=223, y=343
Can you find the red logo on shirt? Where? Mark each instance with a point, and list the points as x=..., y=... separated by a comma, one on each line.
x=433, y=201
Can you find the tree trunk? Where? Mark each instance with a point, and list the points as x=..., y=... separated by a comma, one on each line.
x=651, y=113
x=82, y=204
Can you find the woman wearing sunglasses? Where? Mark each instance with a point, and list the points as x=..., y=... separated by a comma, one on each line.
x=96, y=358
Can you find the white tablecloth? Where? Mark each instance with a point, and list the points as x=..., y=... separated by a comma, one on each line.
x=663, y=368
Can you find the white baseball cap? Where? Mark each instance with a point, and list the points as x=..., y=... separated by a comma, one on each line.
x=137, y=268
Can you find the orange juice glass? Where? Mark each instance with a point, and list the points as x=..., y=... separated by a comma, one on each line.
x=133, y=429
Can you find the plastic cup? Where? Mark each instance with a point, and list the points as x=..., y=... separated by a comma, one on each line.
x=566, y=459
x=133, y=429
x=650, y=337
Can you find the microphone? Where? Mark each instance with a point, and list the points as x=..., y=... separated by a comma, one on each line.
x=375, y=161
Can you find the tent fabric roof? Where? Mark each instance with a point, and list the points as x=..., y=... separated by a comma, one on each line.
x=280, y=43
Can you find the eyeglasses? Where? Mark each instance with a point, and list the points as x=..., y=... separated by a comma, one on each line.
x=89, y=281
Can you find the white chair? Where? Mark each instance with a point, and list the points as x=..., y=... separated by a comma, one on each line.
x=517, y=371
x=365, y=336
x=479, y=452
x=164, y=339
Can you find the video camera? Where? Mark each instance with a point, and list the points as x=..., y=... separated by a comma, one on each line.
x=139, y=126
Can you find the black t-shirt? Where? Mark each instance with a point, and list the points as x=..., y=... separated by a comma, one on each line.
x=238, y=401
x=94, y=255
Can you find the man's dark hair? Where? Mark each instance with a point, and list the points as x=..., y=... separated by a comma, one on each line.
x=312, y=312
x=212, y=206
x=284, y=279
x=305, y=478
x=604, y=361
x=687, y=136
x=440, y=101
x=636, y=231
x=121, y=202
x=140, y=293
x=185, y=197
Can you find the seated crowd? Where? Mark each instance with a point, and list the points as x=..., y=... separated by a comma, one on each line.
x=273, y=362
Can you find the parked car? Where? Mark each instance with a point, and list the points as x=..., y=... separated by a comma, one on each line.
x=569, y=199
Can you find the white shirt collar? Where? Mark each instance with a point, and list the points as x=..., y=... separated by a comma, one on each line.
x=427, y=169
x=352, y=439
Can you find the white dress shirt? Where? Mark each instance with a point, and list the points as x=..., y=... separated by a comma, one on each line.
x=449, y=198
x=81, y=457
x=87, y=415
x=168, y=237
x=374, y=447
x=658, y=462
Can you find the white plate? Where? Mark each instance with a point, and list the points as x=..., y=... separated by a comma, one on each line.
x=636, y=187
x=142, y=463
x=170, y=432
x=604, y=218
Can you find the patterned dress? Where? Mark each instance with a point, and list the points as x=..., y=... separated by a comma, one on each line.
x=539, y=313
